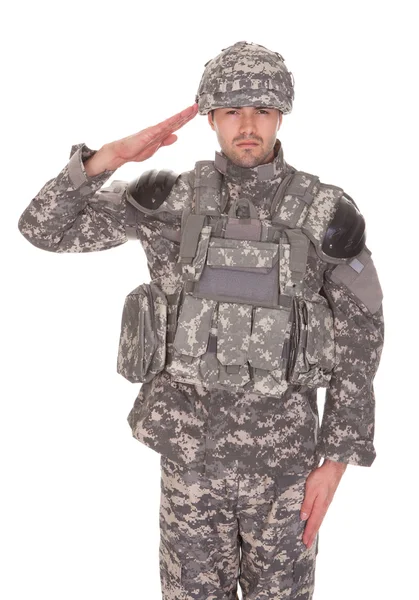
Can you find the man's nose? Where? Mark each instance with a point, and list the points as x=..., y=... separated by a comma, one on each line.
x=247, y=125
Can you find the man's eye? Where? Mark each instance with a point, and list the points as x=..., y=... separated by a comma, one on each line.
x=230, y=112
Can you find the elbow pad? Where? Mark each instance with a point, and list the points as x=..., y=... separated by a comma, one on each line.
x=148, y=191
x=345, y=235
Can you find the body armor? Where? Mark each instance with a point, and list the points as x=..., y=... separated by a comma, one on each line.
x=242, y=318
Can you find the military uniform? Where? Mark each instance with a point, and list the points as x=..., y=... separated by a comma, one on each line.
x=233, y=463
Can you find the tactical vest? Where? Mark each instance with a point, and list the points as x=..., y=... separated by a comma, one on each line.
x=241, y=319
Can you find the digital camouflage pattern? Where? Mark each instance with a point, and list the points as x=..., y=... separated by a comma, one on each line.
x=316, y=344
x=200, y=559
x=247, y=343
x=216, y=430
x=246, y=75
x=249, y=255
x=142, y=344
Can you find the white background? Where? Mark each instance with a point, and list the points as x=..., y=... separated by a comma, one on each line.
x=80, y=496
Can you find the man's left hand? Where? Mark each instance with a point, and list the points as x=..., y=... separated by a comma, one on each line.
x=320, y=488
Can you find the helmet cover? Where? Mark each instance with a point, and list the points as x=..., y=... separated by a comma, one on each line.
x=246, y=74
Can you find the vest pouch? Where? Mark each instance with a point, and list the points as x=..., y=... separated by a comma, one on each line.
x=270, y=329
x=191, y=338
x=240, y=270
x=314, y=344
x=142, y=342
x=233, y=338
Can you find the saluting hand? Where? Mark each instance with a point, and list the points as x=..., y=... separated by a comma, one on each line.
x=140, y=145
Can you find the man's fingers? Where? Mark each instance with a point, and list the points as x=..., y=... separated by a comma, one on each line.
x=183, y=117
x=175, y=122
x=321, y=484
x=186, y=113
x=314, y=521
x=154, y=136
x=310, y=495
x=169, y=140
x=147, y=141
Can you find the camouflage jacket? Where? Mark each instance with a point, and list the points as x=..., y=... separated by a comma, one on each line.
x=76, y=213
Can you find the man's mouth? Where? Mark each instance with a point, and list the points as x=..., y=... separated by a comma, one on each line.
x=247, y=144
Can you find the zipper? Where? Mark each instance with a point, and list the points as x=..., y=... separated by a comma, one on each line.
x=293, y=341
x=153, y=318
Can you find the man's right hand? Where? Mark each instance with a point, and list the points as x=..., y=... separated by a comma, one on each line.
x=139, y=146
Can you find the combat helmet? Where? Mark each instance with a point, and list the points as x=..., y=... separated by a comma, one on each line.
x=246, y=74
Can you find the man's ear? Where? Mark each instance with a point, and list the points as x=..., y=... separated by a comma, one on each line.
x=211, y=122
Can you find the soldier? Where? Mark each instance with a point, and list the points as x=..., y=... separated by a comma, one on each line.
x=262, y=290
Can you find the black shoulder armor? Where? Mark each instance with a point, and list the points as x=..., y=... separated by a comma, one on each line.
x=345, y=236
x=151, y=189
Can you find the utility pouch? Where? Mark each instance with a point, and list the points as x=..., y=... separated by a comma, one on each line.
x=142, y=343
x=240, y=270
x=313, y=344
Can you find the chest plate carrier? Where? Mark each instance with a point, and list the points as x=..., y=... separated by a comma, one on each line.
x=243, y=319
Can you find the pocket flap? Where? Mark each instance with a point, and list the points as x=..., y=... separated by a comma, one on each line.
x=233, y=336
x=194, y=325
x=254, y=257
x=269, y=329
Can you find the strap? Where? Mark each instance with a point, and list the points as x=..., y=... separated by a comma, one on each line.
x=188, y=358
x=236, y=203
x=279, y=194
x=190, y=237
x=131, y=232
x=233, y=368
x=207, y=188
x=299, y=245
x=293, y=198
x=206, y=201
x=131, y=221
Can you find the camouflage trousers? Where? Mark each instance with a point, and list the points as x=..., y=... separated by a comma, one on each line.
x=218, y=533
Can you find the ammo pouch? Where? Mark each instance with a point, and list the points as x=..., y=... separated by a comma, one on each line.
x=142, y=343
x=312, y=354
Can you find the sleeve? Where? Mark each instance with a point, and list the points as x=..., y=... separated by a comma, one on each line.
x=355, y=296
x=71, y=213
x=75, y=213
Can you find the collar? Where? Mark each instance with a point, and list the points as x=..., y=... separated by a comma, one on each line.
x=273, y=170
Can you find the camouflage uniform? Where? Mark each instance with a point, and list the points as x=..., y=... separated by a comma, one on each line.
x=233, y=464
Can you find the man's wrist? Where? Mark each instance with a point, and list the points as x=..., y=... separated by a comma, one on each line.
x=102, y=160
x=334, y=464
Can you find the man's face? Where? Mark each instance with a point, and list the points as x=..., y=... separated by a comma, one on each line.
x=236, y=125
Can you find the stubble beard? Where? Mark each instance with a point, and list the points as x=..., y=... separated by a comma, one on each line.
x=246, y=157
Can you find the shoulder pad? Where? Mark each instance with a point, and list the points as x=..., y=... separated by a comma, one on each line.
x=151, y=189
x=345, y=235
